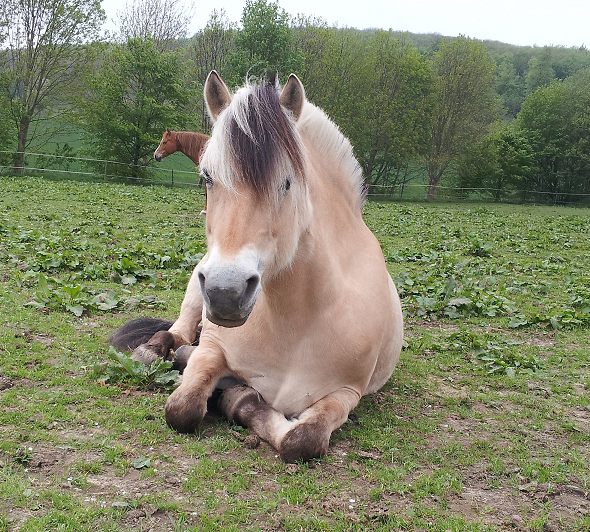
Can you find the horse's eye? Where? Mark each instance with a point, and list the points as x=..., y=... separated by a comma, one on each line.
x=287, y=185
x=208, y=178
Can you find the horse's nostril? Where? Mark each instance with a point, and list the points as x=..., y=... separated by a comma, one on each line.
x=251, y=287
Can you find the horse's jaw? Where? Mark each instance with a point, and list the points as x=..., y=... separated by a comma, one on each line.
x=226, y=323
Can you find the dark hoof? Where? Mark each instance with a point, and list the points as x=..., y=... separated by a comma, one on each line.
x=184, y=413
x=304, y=442
x=239, y=402
x=159, y=346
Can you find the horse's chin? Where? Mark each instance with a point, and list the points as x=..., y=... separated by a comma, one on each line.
x=222, y=322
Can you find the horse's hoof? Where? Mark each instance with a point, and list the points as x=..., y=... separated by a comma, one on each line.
x=304, y=442
x=144, y=354
x=158, y=346
x=184, y=413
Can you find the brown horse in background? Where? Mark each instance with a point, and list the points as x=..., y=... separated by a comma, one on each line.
x=187, y=142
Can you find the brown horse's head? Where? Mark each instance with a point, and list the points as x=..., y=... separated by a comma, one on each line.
x=167, y=146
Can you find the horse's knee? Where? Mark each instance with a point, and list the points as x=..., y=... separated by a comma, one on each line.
x=185, y=411
x=305, y=441
x=181, y=357
x=239, y=403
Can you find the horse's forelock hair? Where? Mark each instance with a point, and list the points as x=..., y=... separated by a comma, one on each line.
x=258, y=140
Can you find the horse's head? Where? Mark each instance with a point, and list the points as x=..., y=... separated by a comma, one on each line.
x=257, y=197
x=167, y=146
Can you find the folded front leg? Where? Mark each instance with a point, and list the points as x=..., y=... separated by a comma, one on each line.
x=184, y=331
x=302, y=438
x=187, y=405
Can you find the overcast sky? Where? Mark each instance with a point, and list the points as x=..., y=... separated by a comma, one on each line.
x=522, y=22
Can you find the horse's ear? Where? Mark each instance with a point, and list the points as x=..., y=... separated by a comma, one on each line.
x=217, y=95
x=293, y=96
x=167, y=130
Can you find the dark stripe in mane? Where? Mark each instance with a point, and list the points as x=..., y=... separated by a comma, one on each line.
x=257, y=153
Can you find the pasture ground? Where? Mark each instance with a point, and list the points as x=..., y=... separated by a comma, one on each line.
x=484, y=425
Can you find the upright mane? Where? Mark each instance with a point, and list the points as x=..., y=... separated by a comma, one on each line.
x=329, y=140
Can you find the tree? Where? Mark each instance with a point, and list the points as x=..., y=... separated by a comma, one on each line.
x=164, y=21
x=556, y=123
x=7, y=130
x=264, y=45
x=463, y=106
x=540, y=71
x=502, y=162
x=374, y=86
x=387, y=123
x=510, y=87
x=137, y=93
x=210, y=51
x=332, y=63
x=43, y=60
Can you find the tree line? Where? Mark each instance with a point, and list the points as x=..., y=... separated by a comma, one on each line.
x=453, y=111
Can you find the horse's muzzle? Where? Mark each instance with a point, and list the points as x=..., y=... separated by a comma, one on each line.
x=158, y=157
x=229, y=298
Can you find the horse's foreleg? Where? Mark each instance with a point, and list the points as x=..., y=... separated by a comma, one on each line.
x=301, y=438
x=187, y=405
x=182, y=332
x=245, y=406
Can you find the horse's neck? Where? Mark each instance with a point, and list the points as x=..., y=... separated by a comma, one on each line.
x=191, y=144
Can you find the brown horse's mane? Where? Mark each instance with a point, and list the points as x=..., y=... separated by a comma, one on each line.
x=191, y=144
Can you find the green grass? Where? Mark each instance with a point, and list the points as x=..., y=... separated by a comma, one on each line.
x=484, y=425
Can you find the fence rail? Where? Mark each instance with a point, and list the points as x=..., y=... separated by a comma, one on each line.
x=77, y=168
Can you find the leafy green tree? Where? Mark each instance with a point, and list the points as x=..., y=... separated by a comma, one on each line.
x=464, y=103
x=264, y=45
x=42, y=62
x=374, y=86
x=555, y=121
x=540, y=71
x=333, y=64
x=210, y=50
x=502, y=162
x=510, y=86
x=388, y=123
x=578, y=106
x=541, y=121
x=137, y=93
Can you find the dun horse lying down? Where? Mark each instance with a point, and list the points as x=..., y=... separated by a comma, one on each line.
x=300, y=317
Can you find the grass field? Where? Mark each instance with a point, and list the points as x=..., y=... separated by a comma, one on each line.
x=484, y=425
